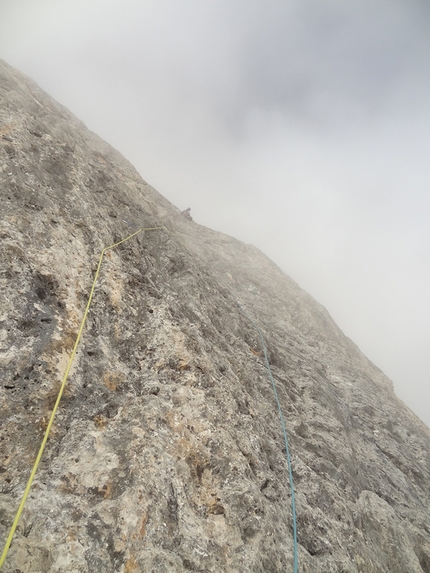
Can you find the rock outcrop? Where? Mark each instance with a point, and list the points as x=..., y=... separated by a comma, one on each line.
x=166, y=454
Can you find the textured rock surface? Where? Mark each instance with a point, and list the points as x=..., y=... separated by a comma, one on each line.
x=167, y=454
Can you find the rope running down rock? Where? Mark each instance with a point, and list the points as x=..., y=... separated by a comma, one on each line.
x=63, y=384
x=60, y=393
x=284, y=431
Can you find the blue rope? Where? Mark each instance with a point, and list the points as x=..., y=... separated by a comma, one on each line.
x=284, y=431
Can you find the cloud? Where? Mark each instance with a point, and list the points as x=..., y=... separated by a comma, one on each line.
x=301, y=126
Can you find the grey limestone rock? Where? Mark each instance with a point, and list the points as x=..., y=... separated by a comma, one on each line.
x=166, y=454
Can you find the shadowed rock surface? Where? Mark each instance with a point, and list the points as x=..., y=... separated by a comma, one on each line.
x=167, y=454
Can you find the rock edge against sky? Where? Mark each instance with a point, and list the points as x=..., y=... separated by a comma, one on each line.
x=167, y=453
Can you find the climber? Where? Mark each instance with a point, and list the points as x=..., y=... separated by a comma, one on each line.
x=186, y=213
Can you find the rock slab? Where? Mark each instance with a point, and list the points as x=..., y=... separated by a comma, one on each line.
x=167, y=454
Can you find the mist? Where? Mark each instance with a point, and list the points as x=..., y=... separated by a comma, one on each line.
x=302, y=128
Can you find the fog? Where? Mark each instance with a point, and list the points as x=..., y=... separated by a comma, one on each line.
x=301, y=127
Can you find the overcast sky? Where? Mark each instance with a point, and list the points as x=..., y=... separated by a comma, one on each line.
x=301, y=126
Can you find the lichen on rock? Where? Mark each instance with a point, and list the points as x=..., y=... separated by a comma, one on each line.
x=166, y=454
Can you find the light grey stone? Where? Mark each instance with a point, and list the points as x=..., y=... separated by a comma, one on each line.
x=167, y=453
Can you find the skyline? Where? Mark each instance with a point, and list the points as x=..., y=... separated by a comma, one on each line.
x=302, y=129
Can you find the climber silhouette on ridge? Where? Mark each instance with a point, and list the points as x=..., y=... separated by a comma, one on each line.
x=187, y=213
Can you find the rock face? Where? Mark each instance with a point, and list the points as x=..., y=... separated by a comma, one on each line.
x=166, y=454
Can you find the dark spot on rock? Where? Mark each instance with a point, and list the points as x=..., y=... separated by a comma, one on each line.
x=265, y=484
x=424, y=559
x=199, y=470
x=217, y=509
x=249, y=532
x=189, y=565
x=10, y=150
x=25, y=324
x=41, y=293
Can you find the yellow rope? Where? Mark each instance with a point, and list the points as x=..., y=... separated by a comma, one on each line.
x=60, y=393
